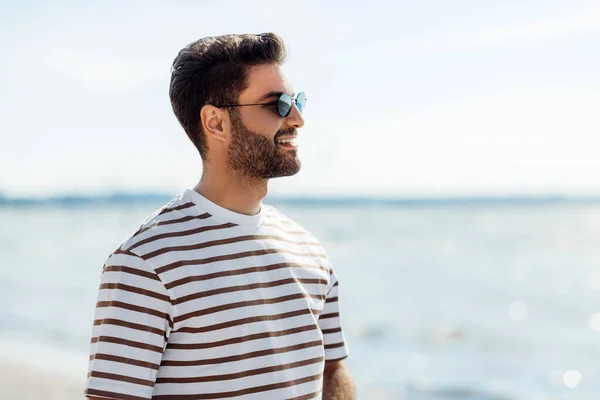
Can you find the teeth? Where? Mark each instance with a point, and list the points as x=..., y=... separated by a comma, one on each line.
x=288, y=141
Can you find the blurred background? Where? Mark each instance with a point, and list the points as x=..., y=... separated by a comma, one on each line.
x=450, y=168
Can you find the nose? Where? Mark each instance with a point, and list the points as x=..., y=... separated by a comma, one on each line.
x=295, y=119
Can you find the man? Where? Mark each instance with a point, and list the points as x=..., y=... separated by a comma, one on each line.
x=217, y=295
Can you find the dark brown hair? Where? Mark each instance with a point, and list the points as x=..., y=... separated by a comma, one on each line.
x=214, y=70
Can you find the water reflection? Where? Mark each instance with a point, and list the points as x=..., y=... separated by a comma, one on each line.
x=594, y=322
x=572, y=379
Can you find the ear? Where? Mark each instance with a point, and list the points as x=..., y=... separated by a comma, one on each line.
x=214, y=122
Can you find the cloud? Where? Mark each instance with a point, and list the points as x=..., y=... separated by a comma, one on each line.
x=104, y=72
x=583, y=21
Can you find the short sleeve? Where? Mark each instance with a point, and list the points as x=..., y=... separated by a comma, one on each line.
x=133, y=319
x=334, y=341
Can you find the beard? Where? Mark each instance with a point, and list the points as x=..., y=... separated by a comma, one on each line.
x=255, y=156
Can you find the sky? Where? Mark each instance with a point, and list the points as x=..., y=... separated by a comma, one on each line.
x=404, y=98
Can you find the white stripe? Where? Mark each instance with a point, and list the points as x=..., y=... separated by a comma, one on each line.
x=308, y=261
x=230, y=385
x=243, y=348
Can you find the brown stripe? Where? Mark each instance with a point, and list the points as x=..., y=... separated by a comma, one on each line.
x=134, y=289
x=126, y=252
x=251, y=286
x=131, y=307
x=328, y=331
x=165, y=210
x=112, y=395
x=275, y=225
x=131, y=325
x=334, y=346
x=241, y=339
x=125, y=342
x=224, y=307
x=234, y=256
x=179, y=207
x=307, y=396
x=249, y=270
x=123, y=360
x=331, y=300
x=100, y=398
x=242, y=392
x=244, y=321
x=173, y=221
x=182, y=233
x=334, y=285
x=332, y=315
x=243, y=374
x=133, y=271
x=221, y=242
x=284, y=230
x=240, y=357
x=115, y=377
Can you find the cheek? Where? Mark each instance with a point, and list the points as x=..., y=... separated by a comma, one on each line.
x=263, y=121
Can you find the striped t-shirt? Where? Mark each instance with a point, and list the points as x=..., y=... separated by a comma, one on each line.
x=205, y=303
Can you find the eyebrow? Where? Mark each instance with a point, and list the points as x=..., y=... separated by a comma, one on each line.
x=273, y=94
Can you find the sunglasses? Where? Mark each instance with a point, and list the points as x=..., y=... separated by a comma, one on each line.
x=284, y=104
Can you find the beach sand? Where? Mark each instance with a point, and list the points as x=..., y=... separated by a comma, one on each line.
x=19, y=381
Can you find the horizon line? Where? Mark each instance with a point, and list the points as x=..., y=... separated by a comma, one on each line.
x=300, y=199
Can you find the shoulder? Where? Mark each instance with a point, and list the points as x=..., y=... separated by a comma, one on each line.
x=167, y=221
x=277, y=219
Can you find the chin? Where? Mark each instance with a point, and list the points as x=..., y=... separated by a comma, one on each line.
x=291, y=171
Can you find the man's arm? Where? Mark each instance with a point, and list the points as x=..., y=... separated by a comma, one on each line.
x=132, y=323
x=337, y=383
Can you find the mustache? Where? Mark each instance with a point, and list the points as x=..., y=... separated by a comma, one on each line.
x=286, y=132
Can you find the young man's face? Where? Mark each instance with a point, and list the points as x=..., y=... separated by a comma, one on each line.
x=254, y=150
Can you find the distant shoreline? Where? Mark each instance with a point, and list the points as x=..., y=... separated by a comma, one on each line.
x=295, y=200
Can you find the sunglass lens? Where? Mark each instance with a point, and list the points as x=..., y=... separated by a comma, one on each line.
x=284, y=105
x=301, y=101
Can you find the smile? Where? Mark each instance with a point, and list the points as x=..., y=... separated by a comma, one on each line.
x=288, y=143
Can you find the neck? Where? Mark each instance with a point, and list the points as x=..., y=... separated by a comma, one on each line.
x=231, y=191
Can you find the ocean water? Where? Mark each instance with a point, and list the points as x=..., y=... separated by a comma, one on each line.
x=439, y=301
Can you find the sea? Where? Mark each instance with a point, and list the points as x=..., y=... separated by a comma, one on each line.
x=461, y=299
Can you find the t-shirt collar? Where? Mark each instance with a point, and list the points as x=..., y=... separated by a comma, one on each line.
x=205, y=205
